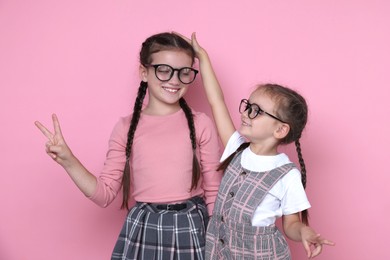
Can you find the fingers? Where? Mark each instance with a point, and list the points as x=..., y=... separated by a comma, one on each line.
x=316, y=251
x=47, y=133
x=317, y=242
x=194, y=41
x=322, y=241
x=58, y=152
x=56, y=146
x=56, y=124
x=50, y=151
x=307, y=248
x=182, y=36
x=44, y=130
x=327, y=242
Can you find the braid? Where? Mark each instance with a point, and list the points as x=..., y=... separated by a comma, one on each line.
x=227, y=161
x=130, y=136
x=191, y=125
x=304, y=213
x=301, y=162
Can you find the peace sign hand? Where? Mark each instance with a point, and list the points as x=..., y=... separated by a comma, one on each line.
x=56, y=146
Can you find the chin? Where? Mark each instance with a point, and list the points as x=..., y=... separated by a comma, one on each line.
x=242, y=131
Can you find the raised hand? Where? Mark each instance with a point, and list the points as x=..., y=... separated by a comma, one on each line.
x=56, y=146
x=59, y=151
x=199, y=51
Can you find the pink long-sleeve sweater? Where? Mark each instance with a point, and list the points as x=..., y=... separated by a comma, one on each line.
x=161, y=160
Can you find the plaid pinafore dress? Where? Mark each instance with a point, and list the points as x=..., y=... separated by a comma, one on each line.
x=230, y=234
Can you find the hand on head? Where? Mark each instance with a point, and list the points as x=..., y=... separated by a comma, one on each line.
x=194, y=42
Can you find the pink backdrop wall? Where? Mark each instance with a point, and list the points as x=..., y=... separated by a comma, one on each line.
x=79, y=59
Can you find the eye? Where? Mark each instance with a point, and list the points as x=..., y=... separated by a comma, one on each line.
x=164, y=69
x=258, y=110
x=186, y=71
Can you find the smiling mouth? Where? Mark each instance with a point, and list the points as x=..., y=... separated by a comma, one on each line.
x=171, y=90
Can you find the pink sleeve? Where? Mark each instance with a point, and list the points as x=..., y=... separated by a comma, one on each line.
x=209, y=154
x=109, y=181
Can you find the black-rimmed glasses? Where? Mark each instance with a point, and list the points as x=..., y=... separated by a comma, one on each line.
x=165, y=72
x=254, y=110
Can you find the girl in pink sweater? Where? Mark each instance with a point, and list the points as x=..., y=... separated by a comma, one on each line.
x=164, y=156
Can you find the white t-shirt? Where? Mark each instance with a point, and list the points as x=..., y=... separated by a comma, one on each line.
x=286, y=197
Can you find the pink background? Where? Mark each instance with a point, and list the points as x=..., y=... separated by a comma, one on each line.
x=79, y=59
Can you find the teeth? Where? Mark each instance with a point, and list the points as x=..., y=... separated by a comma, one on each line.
x=172, y=90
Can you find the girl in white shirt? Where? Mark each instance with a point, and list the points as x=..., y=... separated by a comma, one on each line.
x=259, y=184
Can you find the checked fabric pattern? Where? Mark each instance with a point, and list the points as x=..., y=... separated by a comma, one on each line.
x=230, y=233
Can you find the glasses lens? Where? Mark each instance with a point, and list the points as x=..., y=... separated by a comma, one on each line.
x=164, y=72
x=253, y=109
x=187, y=75
x=244, y=106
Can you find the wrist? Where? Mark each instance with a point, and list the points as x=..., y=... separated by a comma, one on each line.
x=70, y=162
x=202, y=54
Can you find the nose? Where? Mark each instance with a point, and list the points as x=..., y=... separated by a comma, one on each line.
x=245, y=114
x=175, y=78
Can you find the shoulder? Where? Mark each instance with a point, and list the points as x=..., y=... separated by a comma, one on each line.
x=205, y=128
x=292, y=179
x=121, y=127
x=294, y=175
x=290, y=184
x=201, y=117
x=233, y=143
x=123, y=122
x=202, y=121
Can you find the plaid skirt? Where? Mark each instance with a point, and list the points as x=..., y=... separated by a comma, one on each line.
x=150, y=233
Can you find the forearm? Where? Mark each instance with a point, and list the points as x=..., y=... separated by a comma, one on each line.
x=294, y=231
x=297, y=231
x=215, y=98
x=210, y=82
x=293, y=227
x=83, y=179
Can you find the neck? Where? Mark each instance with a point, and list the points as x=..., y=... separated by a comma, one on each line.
x=263, y=149
x=161, y=110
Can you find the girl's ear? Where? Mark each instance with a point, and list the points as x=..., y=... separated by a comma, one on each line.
x=282, y=131
x=143, y=73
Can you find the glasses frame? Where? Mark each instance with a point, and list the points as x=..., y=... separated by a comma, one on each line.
x=155, y=66
x=259, y=111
